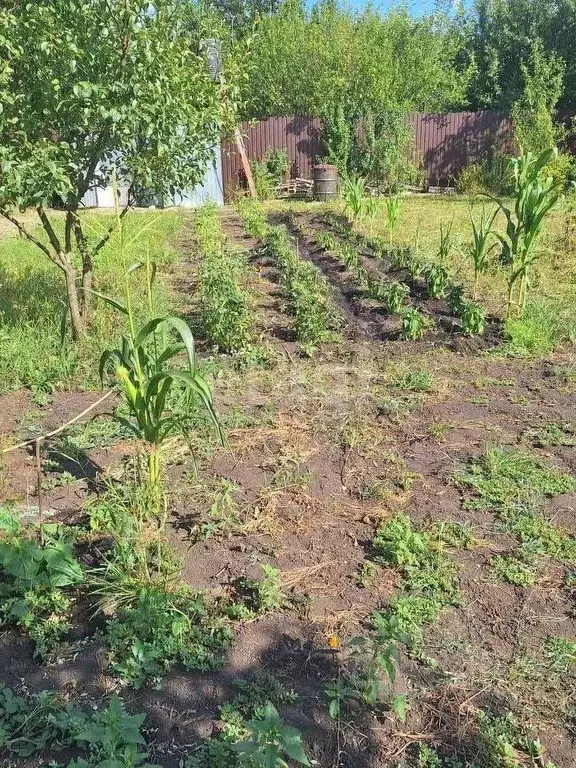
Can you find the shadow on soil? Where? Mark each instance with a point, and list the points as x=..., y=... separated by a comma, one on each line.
x=185, y=710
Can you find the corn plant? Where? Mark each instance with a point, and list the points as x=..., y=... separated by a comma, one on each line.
x=393, y=209
x=371, y=210
x=534, y=197
x=445, y=243
x=353, y=189
x=480, y=248
x=413, y=324
x=140, y=365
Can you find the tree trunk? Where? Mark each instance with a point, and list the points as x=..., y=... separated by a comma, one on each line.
x=76, y=321
x=87, y=271
x=87, y=283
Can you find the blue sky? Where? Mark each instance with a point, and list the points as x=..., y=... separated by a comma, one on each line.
x=418, y=7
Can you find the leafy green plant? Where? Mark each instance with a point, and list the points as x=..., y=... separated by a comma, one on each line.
x=158, y=628
x=223, y=515
x=413, y=324
x=353, y=191
x=437, y=280
x=108, y=738
x=369, y=670
x=142, y=375
x=30, y=724
x=394, y=296
x=37, y=565
x=112, y=739
x=453, y=534
x=265, y=594
x=249, y=703
x=263, y=180
x=472, y=317
x=226, y=314
x=502, y=740
x=393, y=210
x=481, y=248
x=534, y=198
x=366, y=574
x=328, y=241
x=271, y=741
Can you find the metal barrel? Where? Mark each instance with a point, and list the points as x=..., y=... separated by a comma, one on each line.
x=325, y=181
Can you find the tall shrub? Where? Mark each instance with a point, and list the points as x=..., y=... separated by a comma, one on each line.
x=533, y=114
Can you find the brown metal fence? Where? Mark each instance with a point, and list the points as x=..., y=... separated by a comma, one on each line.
x=300, y=136
x=444, y=144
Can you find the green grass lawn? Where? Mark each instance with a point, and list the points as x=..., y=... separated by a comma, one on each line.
x=32, y=304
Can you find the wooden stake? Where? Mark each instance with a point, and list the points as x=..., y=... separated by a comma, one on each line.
x=245, y=164
x=39, y=488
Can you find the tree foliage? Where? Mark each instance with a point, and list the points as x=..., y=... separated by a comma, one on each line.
x=500, y=37
x=89, y=88
x=309, y=61
x=533, y=113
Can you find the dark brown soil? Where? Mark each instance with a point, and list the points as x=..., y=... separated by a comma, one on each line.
x=368, y=318
x=318, y=462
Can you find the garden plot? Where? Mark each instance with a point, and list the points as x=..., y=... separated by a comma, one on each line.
x=383, y=548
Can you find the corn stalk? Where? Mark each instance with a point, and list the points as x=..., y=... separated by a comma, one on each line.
x=534, y=197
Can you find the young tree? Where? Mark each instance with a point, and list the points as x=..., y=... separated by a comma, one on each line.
x=92, y=88
x=533, y=114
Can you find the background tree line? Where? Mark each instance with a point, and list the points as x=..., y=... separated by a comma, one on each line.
x=346, y=65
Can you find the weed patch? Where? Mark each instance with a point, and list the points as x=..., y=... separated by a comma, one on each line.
x=505, y=478
x=429, y=581
x=513, y=485
x=106, y=737
x=544, y=325
x=162, y=628
x=39, y=569
x=249, y=716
